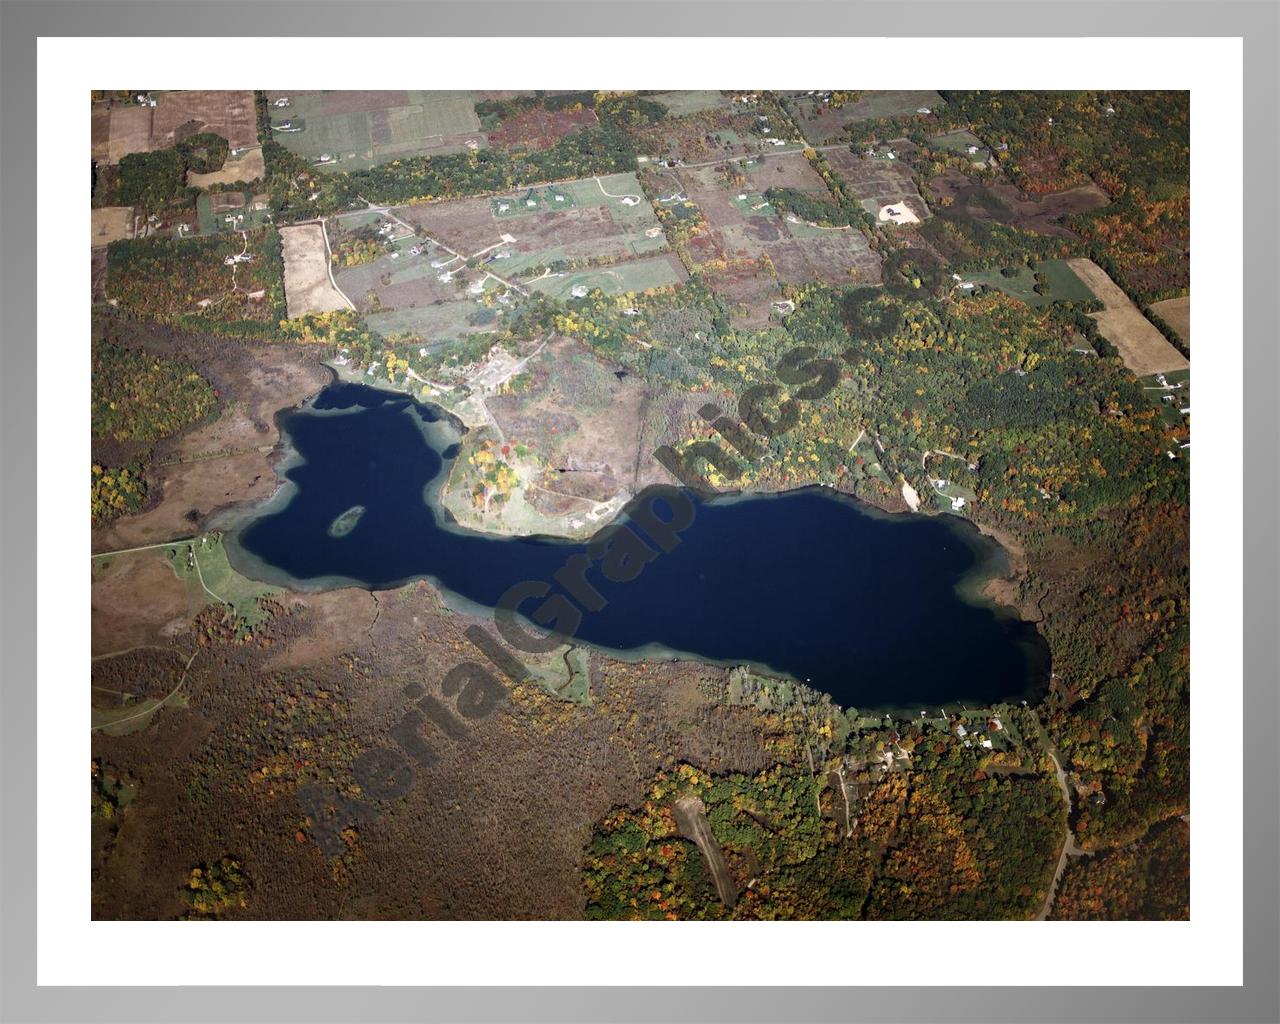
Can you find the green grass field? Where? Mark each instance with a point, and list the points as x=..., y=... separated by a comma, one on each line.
x=202, y=564
x=959, y=143
x=943, y=496
x=637, y=276
x=752, y=204
x=692, y=101
x=431, y=323
x=1062, y=282
x=802, y=229
x=364, y=139
x=567, y=676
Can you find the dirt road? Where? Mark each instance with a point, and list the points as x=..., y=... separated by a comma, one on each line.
x=691, y=819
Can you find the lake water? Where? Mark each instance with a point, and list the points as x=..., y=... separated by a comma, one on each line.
x=880, y=611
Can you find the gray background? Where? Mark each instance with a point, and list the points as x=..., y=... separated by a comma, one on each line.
x=1257, y=22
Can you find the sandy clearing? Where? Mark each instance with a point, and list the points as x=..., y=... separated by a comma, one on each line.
x=1143, y=349
x=898, y=213
x=307, y=287
x=246, y=167
x=111, y=223
x=1177, y=314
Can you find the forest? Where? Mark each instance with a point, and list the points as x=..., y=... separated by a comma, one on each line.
x=156, y=182
x=1134, y=145
x=940, y=839
x=600, y=149
x=1149, y=880
x=164, y=278
x=138, y=397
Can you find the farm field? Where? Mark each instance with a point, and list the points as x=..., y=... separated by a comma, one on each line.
x=1061, y=280
x=593, y=219
x=419, y=294
x=821, y=123
x=359, y=130
x=122, y=128
x=1143, y=348
x=592, y=233
x=748, y=251
x=1177, y=314
x=307, y=286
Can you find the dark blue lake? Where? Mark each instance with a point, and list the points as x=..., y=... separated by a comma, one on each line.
x=880, y=611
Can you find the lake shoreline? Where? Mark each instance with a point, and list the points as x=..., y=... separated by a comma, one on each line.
x=900, y=566
x=1003, y=589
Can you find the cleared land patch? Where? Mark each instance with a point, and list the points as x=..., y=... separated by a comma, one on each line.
x=877, y=182
x=307, y=287
x=1143, y=349
x=823, y=122
x=247, y=166
x=634, y=276
x=112, y=223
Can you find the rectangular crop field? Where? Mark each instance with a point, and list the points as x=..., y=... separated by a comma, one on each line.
x=1143, y=349
x=359, y=130
x=125, y=128
x=306, y=272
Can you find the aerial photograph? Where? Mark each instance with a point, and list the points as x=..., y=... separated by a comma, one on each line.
x=657, y=505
